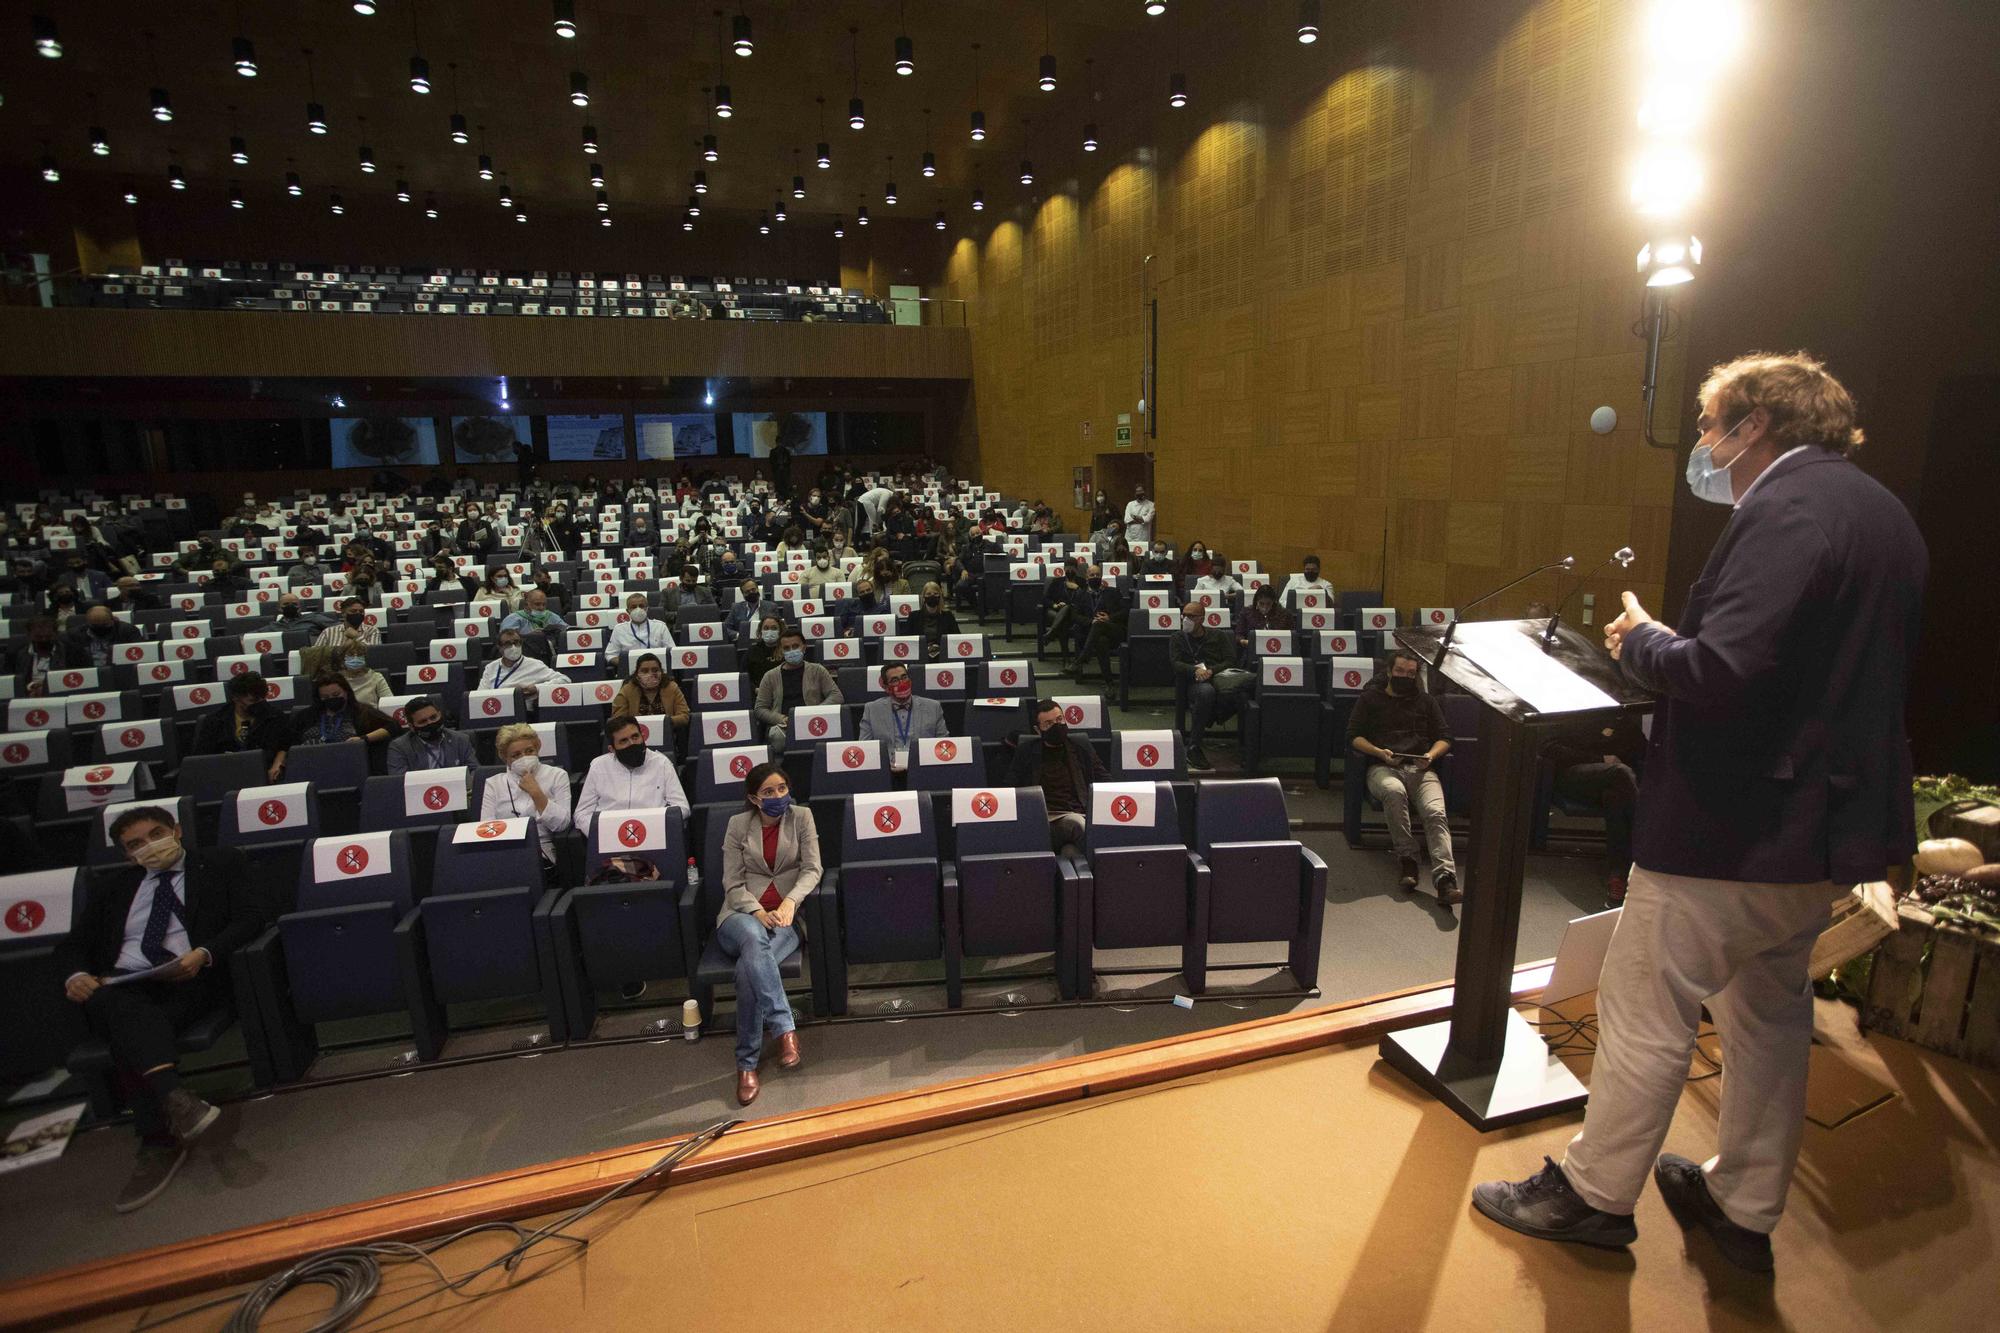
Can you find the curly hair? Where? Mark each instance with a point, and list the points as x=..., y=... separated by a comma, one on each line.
x=1806, y=404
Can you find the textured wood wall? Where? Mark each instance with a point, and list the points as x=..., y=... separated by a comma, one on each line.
x=1392, y=289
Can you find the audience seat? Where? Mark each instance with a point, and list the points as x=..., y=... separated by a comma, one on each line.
x=1142, y=885
x=1004, y=891
x=1264, y=884
x=881, y=903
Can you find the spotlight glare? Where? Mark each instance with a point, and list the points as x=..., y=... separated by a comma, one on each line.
x=1666, y=180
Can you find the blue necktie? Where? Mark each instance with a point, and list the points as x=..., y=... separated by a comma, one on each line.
x=166, y=903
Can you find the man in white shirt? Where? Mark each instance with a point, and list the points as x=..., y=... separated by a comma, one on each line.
x=629, y=776
x=515, y=670
x=638, y=632
x=1217, y=584
x=1307, y=581
x=1139, y=518
x=872, y=503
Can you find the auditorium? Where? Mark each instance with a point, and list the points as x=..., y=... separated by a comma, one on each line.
x=1171, y=665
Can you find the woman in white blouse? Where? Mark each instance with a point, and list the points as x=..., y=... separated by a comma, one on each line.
x=527, y=787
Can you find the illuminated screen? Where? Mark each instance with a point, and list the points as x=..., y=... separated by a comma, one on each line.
x=384, y=441
x=757, y=433
x=488, y=439
x=664, y=436
x=582, y=439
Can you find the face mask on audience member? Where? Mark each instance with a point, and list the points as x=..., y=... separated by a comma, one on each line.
x=332, y=703
x=822, y=563
x=794, y=656
x=501, y=580
x=1055, y=734
x=355, y=618
x=524, y=765
x=769, y=636
x=1096, y=581
x=637, y=615
x=632, y=756
x=1402, y=685
x=430, y=731
x=1705, y=479
x=775, y=806
x=511, y=653
x=1192, y=624
x=160, y=853
x=288, y=611
x=355, y=665
x=102, y=630
x=900, y=689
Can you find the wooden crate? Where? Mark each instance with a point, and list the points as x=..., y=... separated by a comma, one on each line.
x=1938, y=986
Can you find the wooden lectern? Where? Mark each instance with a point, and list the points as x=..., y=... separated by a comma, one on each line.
x=1486, y=1062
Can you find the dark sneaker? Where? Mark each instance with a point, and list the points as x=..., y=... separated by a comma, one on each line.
x=1447, y=887
x=152, y=1170
x=188, y=1115
x=632, y=990
x=1614, y=892
x=1198, y=760
x=1406, y=878
x=1685, y=1189
x=1545, y=1207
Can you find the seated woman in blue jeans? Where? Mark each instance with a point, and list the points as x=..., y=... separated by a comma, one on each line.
x=770, y=862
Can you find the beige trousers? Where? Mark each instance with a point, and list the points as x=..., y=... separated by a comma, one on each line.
x=1741, y=949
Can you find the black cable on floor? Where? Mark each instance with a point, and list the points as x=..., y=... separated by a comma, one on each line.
x=354, y=1272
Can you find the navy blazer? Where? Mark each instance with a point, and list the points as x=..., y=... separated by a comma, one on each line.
x=1778, y=752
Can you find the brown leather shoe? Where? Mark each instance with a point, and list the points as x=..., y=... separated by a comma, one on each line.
x=746, y=1086
x=788, y=1051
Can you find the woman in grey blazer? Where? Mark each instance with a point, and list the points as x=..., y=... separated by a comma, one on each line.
x=770, y=862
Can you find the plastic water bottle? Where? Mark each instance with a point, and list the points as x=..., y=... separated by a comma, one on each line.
x=694, y=875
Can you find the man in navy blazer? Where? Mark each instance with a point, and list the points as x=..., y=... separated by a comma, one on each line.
x=1777, y=775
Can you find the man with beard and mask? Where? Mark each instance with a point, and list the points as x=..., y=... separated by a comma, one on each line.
x=1777, y=776
x=629, y=775
x=1205, y=658
x=517, y=669
x=100, y=634
x=292, y=614
x=1401, y=730
x=353, y=625
x=41, y=654
x=429, y=743
x=1063, y=767
x=187, y=910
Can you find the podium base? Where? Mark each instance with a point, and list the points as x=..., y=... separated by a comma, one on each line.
x=1526, y=1083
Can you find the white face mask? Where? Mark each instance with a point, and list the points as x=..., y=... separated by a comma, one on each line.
x=1705, y=479
x=525, y=765
x=637, y=615
x=511, y=653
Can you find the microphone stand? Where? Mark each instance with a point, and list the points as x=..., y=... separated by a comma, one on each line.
x=1623, y=555
x=1444, y=644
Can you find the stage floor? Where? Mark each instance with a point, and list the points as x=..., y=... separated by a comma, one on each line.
x=1311, y=1191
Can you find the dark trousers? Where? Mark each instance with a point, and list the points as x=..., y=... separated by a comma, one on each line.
x=138, y=1021
x=1099, y=639
x=1614, y=790
x=1066, y=830
x=1208, y=705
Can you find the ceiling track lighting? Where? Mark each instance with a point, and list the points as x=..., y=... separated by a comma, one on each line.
x=694, y=206
x=590, y=140
x=100, y=143
x=940, y=219
x=1177, y=95
x=1027, y=172
x=430, y=206
x=1308, y=22
x=701, y=182
x=566, y=18
x=978, y=201
x=709, y=152
x=978, y=116
x=47, y=43
x=293, y=186
x=1046, y=66
x=239, y=151
x=778, y=209
x=163, y=107
x=420, y=69
x=597, y=174
x=236, y=196
x=402, y=191
x=603, y=202
x=50, y=171
x=839, y=226
x=855, y=118
x=336, y=205
x=176, y=178
x=579, y=88
x=243, y=56
x=739, y=30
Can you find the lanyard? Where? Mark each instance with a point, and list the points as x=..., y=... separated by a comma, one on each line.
x=500, y=677
x=901, y=717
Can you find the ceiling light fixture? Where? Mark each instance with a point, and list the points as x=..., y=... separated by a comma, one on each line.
x=778, y=208
x=100, y=144
x=402, y=187
x=365, y=8
x=1308, y=22
x=176, y=178
x=239, y=151
x=906, y=50
x=131, y=197
x=930, y=158
x=590, y=140
x=1046, y=80
x=163, y=109
x=1155, y=8
x=978, y=116
x=336, y=205
x=724, y=107
x=978, y=201
x=603, y=202
x=940, y=219
x=236, y=196
x=566, y=18
x=579, y=88
x=597, y=174
x=824, y=157
x=694, y=206
x=855, y=119
x=861, y=216
x=709, y=152
x=458, y=134
x=701, y=182
x=243, y=56
x=420, y=68
x=1027, y=172
x=739, y=31
x=315, y=113
x=293, y=186
x=839, y=227
x=430, y=206
x=50, y=171
x=1177, y=95
x=763, y=225
x=506, y=193
x=47, y=44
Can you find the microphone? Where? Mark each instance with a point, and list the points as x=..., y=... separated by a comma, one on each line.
x=1444, y=644
x=1623, y=555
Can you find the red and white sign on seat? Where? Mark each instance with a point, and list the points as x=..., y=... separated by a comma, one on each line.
x=1009, y=673
x=732, y=763
x=982, y=805
x=434, y=791
x=1436, y=615
x=943, y=677
x=1350, y=673
x=1378, y=617
x=1339, y=643
x=351, y=856
x=726, y=727
x=1147, y=749
x=718, y=687
x=1123, y=803
x=887, y=815
x=1082, y=712
x=268, y=809
x=622, y=831
x=490, y=831
x=934, y=750
x=489, y=706
x=1285, y=673
x=137, y=734
x=819, y=722
x=36, y=903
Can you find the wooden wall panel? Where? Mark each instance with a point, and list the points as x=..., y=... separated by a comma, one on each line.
x=1390, y=296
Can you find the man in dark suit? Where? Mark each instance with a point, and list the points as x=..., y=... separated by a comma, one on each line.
x=94, y=643
x=1099, y=612
x=186, y=911
x=1776, y=776
x=1063, y=767
x=41, y=654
